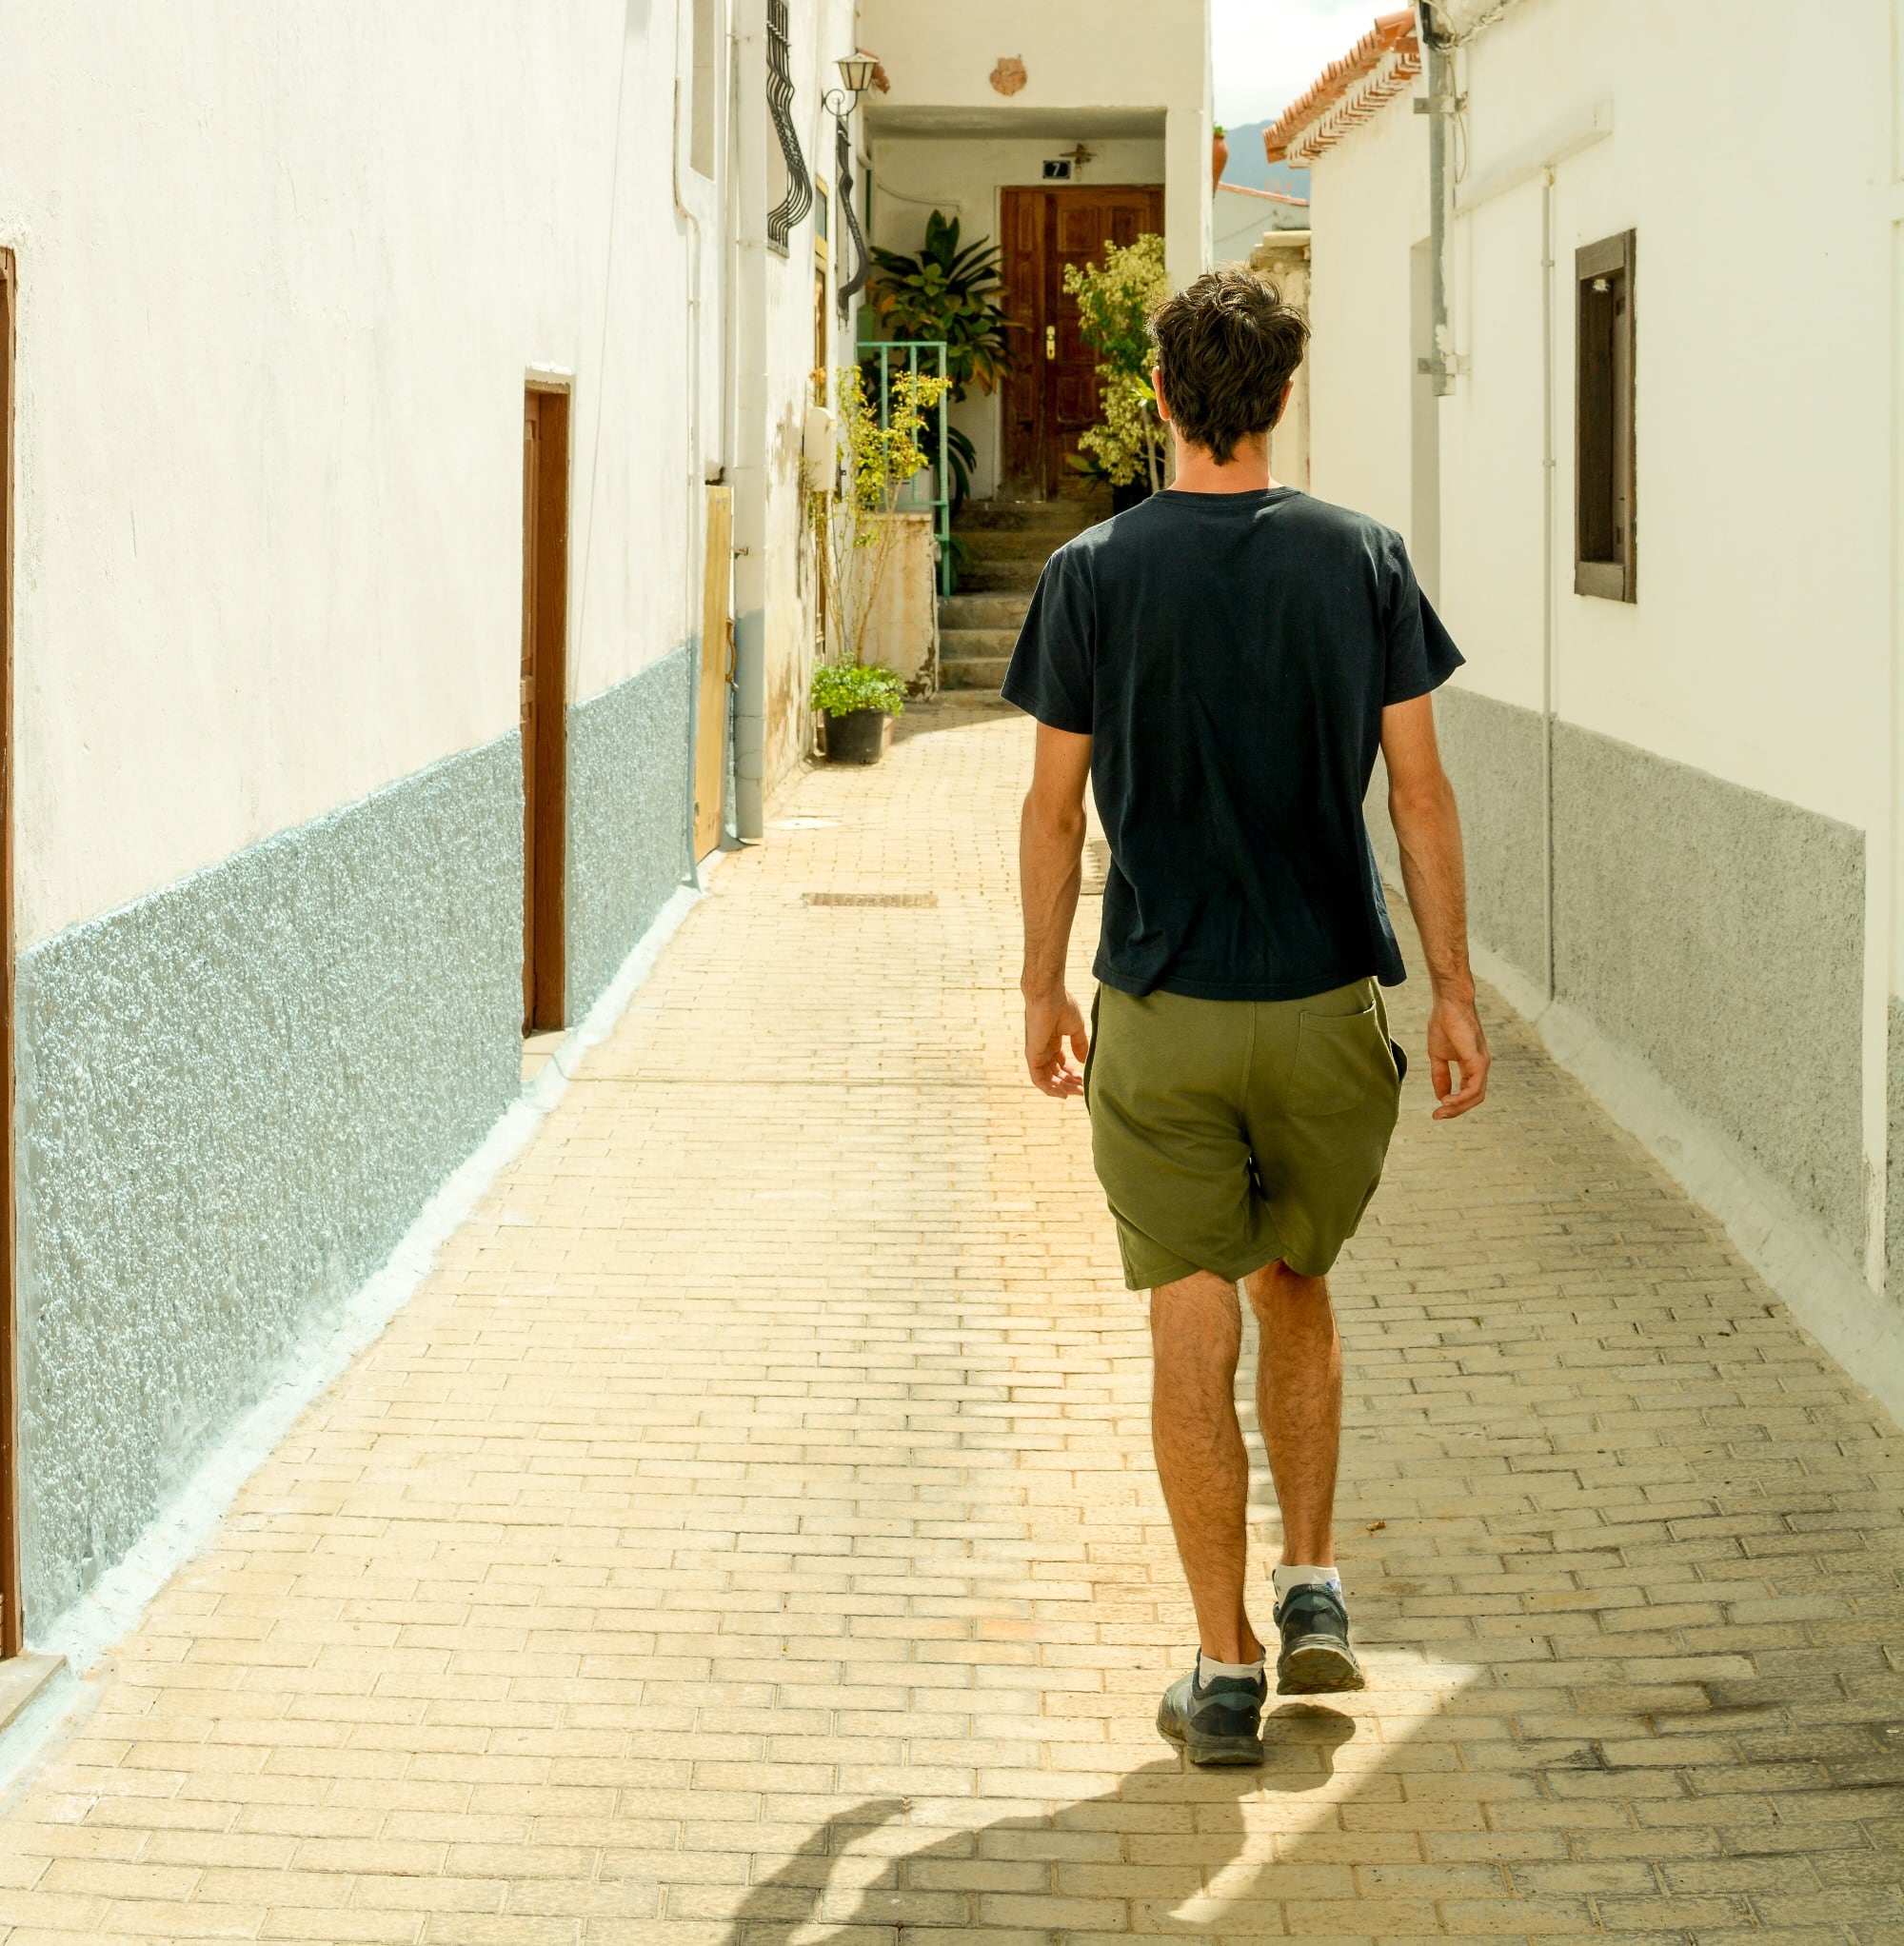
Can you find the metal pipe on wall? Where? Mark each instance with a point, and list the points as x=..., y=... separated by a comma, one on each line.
x=1439, y=108
x=1550, y=504
x=748, y=310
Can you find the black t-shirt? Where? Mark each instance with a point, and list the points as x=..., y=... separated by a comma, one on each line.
x=1230, y=655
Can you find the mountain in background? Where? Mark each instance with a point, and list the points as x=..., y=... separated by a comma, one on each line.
x=1248, y=167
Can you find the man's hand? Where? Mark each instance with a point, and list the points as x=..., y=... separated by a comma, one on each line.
x=1050, y=1021
x=1455, y=1038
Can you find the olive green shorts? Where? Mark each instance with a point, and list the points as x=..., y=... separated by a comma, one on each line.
x=1230, y=1133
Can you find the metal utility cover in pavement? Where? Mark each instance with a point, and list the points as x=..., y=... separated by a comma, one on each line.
x=871, y=898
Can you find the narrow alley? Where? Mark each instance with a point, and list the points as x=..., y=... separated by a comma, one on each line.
x=747, y=1534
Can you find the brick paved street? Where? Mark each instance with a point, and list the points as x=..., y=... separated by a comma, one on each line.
x=747, y=1535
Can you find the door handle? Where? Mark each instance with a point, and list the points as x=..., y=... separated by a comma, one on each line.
x=1051, y=341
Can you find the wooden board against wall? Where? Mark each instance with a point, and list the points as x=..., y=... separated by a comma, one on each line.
x=710, y=743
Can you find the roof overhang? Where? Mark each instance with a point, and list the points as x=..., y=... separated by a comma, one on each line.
x=1381, y=65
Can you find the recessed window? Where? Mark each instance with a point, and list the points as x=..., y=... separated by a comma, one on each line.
x=1603, y=469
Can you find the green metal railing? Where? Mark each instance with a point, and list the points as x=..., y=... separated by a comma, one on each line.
x=941, y=505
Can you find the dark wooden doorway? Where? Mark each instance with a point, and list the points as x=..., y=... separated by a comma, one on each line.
x=1051, y=395
x=12, y=1635
x=544, y=700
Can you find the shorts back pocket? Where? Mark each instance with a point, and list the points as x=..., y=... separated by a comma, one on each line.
x=1340, y=1059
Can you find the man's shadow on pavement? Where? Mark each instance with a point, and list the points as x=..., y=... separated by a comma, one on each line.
x=945, y=1882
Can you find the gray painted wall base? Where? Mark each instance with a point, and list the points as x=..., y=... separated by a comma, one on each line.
x=114, y=1602
x=237, y=1094
x=1788, y=1249
x=234, y=1096
x=627, y=818
x=1714, y=931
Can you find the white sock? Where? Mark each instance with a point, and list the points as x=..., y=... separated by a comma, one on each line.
x=1208, y=1669
x=1284, y=1579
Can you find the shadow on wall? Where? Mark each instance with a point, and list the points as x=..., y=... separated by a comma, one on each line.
x=1171, y=1835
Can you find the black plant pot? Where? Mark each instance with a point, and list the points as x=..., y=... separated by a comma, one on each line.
x=1124, y=498
x=859, y=737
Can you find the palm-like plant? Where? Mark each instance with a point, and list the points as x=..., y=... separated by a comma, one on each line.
x=950, y=292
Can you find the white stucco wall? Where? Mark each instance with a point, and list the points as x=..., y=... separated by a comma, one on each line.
x=283, y=272
x=1117, y=55
x=1368, y=203
x=821, y=33
x=1762, y=627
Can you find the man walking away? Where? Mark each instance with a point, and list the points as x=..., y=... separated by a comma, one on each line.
x=1222, y=662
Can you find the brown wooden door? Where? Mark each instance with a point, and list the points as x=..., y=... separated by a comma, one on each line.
x=13, y=1639
x=1051, y=395
x=545, y=702
x=710, y=737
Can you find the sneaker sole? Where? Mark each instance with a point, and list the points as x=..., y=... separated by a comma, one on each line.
x=1209, y=1753
x=1318, y=1665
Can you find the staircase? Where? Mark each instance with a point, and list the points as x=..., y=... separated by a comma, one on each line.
x=1006, y=542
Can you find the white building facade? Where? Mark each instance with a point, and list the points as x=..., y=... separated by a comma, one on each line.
x=374, y=380
x=1657, y=504
x=1048, y=134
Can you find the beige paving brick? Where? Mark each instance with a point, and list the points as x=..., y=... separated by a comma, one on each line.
x=748, y=1529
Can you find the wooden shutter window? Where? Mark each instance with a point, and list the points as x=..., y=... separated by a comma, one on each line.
x=1603, y=466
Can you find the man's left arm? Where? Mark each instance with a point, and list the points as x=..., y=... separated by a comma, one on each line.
x=1051, y=846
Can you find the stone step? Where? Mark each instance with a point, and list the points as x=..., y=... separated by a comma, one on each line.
x=975, y=645
x=981, y=672
x=1003, y=544
x=1065, y=517
x=1000, y=577
x=983, y=611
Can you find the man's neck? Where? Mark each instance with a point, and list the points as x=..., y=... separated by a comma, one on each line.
x=1198, y=471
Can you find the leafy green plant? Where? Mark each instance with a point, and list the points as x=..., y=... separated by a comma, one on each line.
x=1113, y=307
x=946, y=291
x=839, y=688
x=858, y=532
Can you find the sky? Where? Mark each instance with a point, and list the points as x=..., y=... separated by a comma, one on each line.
x=1267, y=51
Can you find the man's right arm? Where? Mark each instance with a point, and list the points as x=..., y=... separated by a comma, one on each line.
x=1428, y=829
x=1051, y=841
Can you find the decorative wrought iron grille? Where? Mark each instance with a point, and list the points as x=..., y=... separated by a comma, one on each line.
x=849, y=223
x=799, y=197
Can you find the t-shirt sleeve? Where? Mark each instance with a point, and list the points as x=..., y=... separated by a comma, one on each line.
x=1053, y=667
x=1421, y=653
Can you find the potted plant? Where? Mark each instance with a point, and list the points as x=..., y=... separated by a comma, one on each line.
x=1114, y=307
x=1220, y=155
x=857, y=532
x=859, y=704
x=947, y=292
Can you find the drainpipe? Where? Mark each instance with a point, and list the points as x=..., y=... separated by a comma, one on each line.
x=749, y=312
x=1550, y=504
x=1439, y=108
x=692, y=367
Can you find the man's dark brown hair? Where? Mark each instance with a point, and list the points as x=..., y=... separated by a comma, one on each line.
x=1227, y=345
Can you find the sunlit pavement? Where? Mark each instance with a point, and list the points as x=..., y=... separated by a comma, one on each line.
x=748, y=1532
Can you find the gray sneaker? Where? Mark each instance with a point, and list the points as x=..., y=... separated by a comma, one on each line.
x=1218, y=1724
x=1313, y=1623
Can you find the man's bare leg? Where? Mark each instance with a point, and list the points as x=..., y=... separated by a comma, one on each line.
x=1299, y=1406
x=1195, y=1333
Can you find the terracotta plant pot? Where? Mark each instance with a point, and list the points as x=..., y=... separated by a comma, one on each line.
x=1219, y=156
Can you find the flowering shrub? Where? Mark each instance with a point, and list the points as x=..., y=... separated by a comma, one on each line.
x=1113, y=307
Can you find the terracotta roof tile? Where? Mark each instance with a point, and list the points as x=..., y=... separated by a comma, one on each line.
x=1348, y=91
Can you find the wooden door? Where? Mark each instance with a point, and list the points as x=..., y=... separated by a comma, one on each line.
x=13, y=1638
x=717, y=636
x=1051, y=395
x=545, y=702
